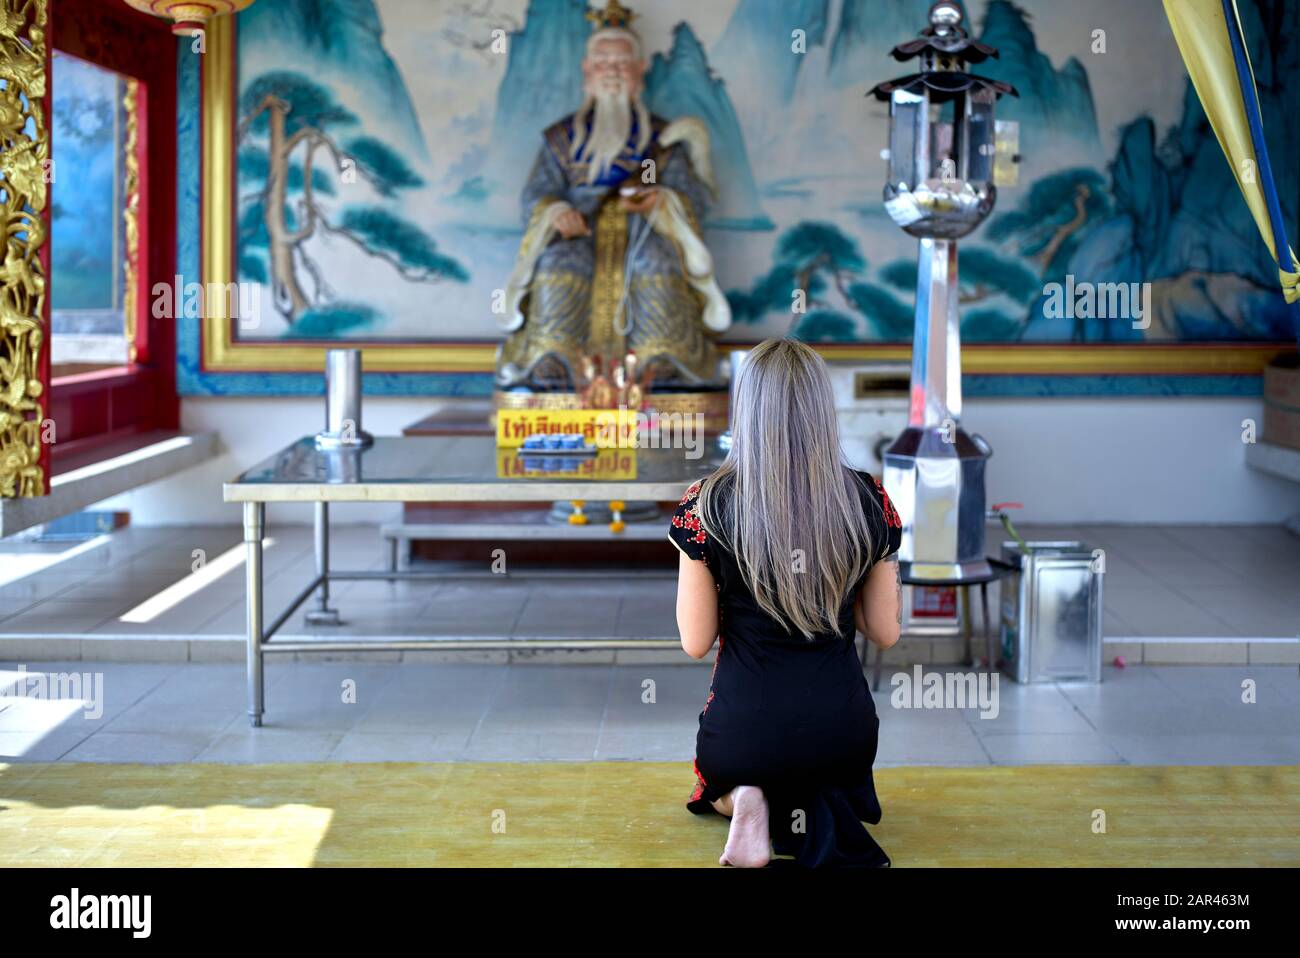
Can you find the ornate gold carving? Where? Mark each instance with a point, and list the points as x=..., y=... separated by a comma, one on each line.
x=131, y=215
x=607, y=334
x=522, y=400
x=712, y=405
x=24, y=156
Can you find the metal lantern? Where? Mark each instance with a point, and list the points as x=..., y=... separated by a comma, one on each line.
x=941, y=186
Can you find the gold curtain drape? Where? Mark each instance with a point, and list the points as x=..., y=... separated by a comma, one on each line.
x=1205, y=40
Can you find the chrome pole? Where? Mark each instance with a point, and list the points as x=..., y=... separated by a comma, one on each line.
x=254, y=530
x=323, y=614
x=936, y=342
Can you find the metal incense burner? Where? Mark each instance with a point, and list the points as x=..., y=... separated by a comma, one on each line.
x=941, y=187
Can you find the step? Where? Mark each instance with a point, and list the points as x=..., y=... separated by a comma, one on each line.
x=153, y=456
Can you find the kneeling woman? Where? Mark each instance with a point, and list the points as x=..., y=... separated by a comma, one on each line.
x=785, y=549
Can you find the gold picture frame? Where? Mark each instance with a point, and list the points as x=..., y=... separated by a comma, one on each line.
x=222, y=353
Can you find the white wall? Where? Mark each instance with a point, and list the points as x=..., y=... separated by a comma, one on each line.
x=1140, y=460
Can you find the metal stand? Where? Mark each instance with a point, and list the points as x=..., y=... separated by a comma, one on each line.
x=259, y=635
x=997, y=570
x=323, y=614
x=254, y=530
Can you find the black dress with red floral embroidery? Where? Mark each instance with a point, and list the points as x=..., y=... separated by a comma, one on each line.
x=791, y=715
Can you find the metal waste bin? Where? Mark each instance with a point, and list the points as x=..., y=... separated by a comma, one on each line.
x=1051, y=612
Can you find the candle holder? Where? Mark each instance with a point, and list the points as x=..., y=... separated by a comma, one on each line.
x=343, y=402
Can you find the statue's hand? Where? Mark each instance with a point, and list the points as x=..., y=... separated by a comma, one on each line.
x=571, y=224
x=642, y=202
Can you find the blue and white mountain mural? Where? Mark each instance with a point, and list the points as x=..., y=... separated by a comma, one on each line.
x=759, y=44
x=1055, y=109
x=396, y=215
x=865, y=32
x=543, y=82
x=681, y=84
x=343, y=42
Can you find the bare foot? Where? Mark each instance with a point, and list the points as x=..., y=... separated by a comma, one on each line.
x=748, y=843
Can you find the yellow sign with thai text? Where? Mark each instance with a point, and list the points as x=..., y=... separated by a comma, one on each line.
x=603, y=428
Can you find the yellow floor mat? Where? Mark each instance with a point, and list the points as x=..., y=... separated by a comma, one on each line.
x=623, y=813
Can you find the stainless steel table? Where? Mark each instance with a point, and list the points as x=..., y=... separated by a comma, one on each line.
x=418, y=469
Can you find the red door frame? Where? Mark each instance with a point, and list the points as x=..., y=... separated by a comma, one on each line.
x=93, y=411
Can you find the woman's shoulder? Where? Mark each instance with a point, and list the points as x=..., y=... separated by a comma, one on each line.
x=869, y=481
x=880, y=511
x=869, y=487
x=687, y=528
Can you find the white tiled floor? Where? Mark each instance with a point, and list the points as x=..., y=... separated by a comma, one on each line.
x=1208, y=582
x=416, y=712
x=1161, y=581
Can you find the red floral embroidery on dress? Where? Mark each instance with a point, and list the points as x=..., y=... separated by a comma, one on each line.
x=690, y=518
x=892, y=517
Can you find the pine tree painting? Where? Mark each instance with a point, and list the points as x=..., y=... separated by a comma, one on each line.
x=299, y=145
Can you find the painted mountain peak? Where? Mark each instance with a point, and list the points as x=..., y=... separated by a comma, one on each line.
x=543, y=82
x=867, y=31
x=681, y=84
x=1055, y=108
x=344, y=41
x=758, y=44
x=1178, y=219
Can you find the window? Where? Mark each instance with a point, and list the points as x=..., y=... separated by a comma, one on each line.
x=95, y=182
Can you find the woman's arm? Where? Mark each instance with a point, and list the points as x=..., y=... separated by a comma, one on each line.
x=878, y=612
x=697, y=606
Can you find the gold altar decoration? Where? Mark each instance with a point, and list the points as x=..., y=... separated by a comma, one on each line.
x=222, y=353
x=131, y=215
x=24, y=160
x=189, y=16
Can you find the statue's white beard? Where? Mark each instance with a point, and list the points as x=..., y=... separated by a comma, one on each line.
x=610, y=127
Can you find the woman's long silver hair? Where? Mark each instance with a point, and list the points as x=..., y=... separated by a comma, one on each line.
x=791, y=512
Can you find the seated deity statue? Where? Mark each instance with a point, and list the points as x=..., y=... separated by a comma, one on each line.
x=613, y=265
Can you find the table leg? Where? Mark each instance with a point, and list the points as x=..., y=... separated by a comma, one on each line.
x=254, y=530
x=988, y=628
x=323, y=614
x=964, y=617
